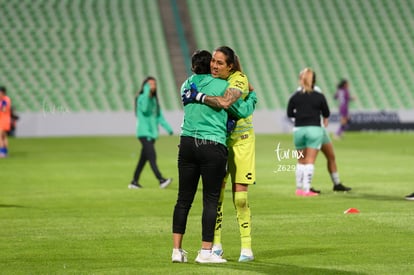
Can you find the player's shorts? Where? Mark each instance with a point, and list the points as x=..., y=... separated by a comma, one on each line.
x=343, y=111
x=326, y=139
x=5, y=124
x=308, y=137
x=242, y=163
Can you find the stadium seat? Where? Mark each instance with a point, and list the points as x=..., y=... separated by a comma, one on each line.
x=93, y=55
x=51, y=37
x=338, y=39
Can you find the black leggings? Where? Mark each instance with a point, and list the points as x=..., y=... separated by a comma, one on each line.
x=199, y=158
x=147, y=154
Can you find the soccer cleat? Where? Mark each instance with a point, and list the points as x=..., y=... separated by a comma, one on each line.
x=341, y=188
x=309, y=194
x=246, y=255
x=299, y=192
x=179, y=255
x=134, y=185
x=218, y=250
x=209, y=258
x=410, y=197
x=165, y=182
x=315, y=191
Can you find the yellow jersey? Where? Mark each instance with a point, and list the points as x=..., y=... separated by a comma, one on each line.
x=243, y=132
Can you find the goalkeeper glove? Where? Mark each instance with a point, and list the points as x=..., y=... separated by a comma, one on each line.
x=192, y=94
x=231, y=124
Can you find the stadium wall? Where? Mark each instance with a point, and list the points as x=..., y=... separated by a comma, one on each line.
x=54, y=123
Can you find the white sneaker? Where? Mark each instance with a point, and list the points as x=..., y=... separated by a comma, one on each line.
x=179, y=255
x=134, y=185
x=210, y=258
x=218, y=250
x=165, y=183
x=246, y=255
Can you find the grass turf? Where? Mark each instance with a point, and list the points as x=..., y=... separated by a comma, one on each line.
x=65, y=209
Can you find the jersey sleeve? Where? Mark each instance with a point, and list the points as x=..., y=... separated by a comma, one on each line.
x=244, y=108
x=239, y=81
x=325, y=108
x=144, y=99
x=163, y=122
x=290, y=108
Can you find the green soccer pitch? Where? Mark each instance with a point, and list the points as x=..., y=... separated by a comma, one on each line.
x=65, y=209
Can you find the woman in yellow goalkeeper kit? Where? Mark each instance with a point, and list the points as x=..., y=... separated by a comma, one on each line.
x=241, y=145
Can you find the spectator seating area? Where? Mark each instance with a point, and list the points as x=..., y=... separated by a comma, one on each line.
x=92, y=55
x=82, y=55
x=368, y=42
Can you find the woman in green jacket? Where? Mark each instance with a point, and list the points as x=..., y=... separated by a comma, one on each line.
x=149, y=116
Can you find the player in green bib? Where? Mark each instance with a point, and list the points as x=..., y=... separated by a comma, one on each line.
x=202, y=153
x=241, y=145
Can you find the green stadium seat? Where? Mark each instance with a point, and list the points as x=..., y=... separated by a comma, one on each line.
x=77, y=35
x=105, y=48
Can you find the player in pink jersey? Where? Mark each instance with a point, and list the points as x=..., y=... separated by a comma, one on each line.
x=5, y=121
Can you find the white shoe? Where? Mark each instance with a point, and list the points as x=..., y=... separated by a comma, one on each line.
x=134, y=185
x=179, y=255
x=218, y=250
x=210, y=258
x=165, y=183
x=246, y=255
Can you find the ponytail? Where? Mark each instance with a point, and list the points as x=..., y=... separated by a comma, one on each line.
x=307, y=79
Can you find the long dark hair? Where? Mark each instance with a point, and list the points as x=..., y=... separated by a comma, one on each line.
x=342, y=84
x=148, y=78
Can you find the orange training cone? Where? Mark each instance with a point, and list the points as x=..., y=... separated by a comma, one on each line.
x=351, y=211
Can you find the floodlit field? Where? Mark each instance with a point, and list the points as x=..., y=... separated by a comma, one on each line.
x=65, y=209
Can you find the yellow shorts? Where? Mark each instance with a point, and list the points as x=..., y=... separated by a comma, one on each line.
x=242, y=163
